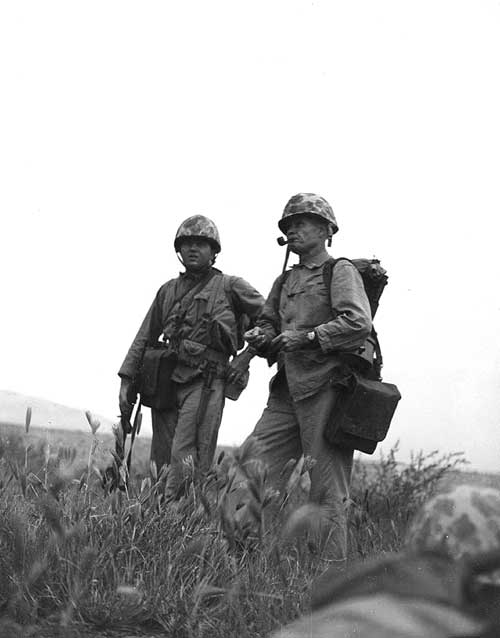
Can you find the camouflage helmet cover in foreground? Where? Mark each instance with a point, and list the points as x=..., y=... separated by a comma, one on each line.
x=461, y=523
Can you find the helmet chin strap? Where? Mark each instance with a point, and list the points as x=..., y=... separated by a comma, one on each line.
x=178, y=255
x=330, y=234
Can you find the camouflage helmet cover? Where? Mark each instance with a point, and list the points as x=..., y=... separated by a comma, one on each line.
x=198, y=226
x=308, y=204
x=460, y=523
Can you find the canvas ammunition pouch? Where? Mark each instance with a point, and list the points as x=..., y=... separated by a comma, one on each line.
x=195, y=355
x=191, y=353
x=234, y=389
x=156, y=385
x=362, y=413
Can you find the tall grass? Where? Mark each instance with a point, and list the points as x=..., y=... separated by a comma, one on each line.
x=386, y=495
x=216, y=563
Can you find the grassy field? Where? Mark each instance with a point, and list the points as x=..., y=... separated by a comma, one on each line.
x=77, y=560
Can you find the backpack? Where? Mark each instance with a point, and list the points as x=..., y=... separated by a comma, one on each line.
x=373, y=275
x=369, y=357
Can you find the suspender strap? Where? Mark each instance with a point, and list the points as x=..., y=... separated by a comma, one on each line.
x=213, y=296
x=187, y=298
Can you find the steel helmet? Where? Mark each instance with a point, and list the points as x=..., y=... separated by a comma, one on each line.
x=198, y=226
x=308, y=204
x=460, y=523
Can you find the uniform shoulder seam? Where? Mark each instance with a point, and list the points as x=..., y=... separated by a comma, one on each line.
x=166, y=284
x=343, y=262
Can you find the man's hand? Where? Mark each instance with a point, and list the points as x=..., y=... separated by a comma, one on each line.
x=127, y=398
x=257, y=339
x=290, y=340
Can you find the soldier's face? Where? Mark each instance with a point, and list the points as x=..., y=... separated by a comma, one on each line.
x=305, y=234
x=197, y=253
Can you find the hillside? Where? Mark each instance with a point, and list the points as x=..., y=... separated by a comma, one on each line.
x=44, y=413
x=81, y=440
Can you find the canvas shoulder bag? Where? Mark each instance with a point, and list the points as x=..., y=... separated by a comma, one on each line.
x=365, y=406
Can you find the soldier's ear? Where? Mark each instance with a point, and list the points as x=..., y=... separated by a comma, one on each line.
x=325, y=230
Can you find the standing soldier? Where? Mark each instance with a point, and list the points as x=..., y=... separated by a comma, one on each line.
x=199, y=317
x=309, y=326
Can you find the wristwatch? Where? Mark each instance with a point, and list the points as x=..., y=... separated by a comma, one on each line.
x=311, y=336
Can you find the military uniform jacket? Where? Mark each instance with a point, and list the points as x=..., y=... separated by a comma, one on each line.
x=209, y=320
x=341, y=318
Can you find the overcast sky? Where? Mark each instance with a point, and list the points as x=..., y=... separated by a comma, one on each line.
x=120, y=119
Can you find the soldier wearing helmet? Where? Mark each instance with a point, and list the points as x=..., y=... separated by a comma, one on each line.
x=306, y=327
x=197, y=317
x=198, y=227
x=444, y=583
x=460, y=524
x=312, y=205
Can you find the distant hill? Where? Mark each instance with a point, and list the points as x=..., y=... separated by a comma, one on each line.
x=45, y=414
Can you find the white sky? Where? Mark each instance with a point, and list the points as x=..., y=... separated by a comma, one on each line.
x=120, y=119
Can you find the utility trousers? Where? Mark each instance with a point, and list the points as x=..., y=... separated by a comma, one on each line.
x=177, y=439
x=286, y=430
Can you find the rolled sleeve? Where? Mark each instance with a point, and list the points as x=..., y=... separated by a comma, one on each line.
x=352, y=322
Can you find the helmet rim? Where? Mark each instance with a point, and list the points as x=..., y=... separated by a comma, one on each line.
x=285, y=222
x=201, y=227
x=308, y=204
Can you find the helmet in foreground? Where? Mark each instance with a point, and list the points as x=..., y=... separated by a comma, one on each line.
x=198, y=226
x=308, y=204
x=462, y=523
